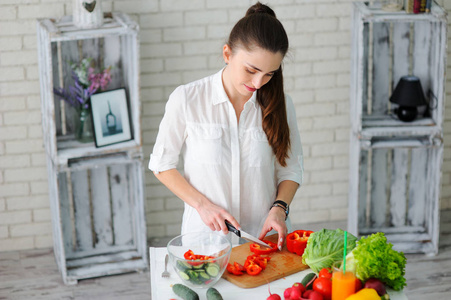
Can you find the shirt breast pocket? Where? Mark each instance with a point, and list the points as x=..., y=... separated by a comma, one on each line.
x=261, y=151
x=207, y=144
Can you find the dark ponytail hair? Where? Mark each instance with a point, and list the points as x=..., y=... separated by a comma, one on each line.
x=259, y=28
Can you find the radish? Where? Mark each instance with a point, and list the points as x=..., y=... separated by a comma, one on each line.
x=307, y=294
x=273, y=296
x=376, y=284
x=299, y=286
x=295, y=294
x=287, y=293
x=312, y=295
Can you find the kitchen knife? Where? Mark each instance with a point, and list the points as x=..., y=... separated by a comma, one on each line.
x=245, y=235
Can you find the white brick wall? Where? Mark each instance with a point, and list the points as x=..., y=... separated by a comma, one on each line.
x=182, y=41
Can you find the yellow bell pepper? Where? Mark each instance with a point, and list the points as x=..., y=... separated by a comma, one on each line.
x=365, y=294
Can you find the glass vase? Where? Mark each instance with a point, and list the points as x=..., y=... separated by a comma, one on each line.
x=83, y=126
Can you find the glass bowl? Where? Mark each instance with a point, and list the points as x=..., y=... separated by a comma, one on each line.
x=212, y=253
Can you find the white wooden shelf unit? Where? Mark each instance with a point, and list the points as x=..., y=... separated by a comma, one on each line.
x=96, y=194
x=395, y=166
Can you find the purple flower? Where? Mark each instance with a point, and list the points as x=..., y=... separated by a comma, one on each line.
x=78, y=95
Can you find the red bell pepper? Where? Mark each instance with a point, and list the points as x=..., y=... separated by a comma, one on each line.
x=253, y=269
x=262, y=261
x=189, y=255
x=233, y=269
x=256, y=259
x=253, y=265
x=239, y=267
x=297, y=241
x=257, y=249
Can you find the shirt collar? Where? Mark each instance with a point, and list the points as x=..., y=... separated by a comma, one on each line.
x=220, y=93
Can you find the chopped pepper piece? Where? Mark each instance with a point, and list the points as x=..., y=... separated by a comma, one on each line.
x=253, y=269
x=239, y=267
x=257, y=249
x=189, y=255
x=253, y=265
x=232, y=269
x=262, y=261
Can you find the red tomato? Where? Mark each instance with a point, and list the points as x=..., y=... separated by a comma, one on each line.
x=323, y=286
x=358, y=285
x=325, y=273
x=257, y=249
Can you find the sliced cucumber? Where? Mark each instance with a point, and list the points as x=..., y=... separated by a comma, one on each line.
x=184, y=276
x=183, y=265
x=198, y=274
x=192, y=274
x=197, y=267
x=212, y=269
x=203, y=276
x=212, y=265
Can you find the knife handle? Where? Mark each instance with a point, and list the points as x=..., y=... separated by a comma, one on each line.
x=232, y=228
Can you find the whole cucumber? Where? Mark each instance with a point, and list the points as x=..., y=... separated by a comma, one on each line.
x=307, y=279
x=184, y=292
x=213, y=294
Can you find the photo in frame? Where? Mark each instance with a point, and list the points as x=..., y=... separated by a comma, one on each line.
x=110, y=117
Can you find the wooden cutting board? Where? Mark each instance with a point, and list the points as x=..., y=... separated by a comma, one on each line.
x=282, y=263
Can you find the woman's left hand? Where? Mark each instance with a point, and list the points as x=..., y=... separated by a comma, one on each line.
x=275, y=220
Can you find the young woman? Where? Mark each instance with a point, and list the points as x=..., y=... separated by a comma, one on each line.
x=237, y=134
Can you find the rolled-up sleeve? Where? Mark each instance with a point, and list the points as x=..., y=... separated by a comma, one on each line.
x=171, y=134
x=294, y=170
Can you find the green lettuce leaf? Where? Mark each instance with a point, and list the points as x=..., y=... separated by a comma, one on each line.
x=374, y=258
x=325, y=247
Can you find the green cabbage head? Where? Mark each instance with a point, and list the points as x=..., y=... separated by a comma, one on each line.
x=325, y=247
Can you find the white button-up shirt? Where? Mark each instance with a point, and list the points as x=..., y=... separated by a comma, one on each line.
x=229, y=162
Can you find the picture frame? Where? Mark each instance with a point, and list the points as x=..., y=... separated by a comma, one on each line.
x=110, y=117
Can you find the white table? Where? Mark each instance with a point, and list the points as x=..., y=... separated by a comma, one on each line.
x=162, y=287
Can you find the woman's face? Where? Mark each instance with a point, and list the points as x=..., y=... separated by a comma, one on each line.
x=248, y=71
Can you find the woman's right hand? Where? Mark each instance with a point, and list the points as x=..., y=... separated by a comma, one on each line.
x=214, y=216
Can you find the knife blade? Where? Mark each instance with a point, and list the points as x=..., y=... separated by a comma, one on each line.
x=245, y=235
